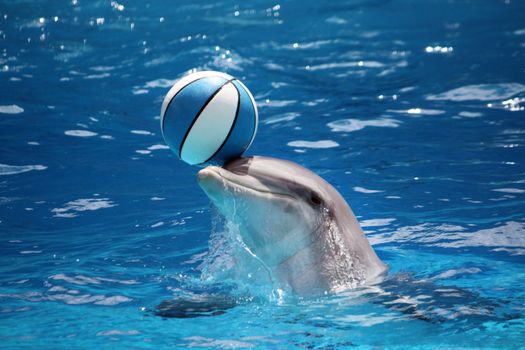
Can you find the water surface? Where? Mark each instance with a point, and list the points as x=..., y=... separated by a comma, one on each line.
x=413, y=110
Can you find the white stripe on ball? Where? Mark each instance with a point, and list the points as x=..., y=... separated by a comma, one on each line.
x=211, y=127
x=184, y=81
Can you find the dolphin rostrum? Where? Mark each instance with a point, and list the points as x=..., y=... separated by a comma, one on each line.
x=295, y=222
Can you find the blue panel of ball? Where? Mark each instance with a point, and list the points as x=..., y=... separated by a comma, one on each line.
x=185, y=107
x=243, y=129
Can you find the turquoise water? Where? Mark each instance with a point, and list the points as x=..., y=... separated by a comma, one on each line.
x=413, y=110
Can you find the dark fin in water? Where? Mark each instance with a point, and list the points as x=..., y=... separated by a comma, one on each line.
x=196, y=306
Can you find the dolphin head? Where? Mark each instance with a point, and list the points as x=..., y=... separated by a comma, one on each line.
x=277, y=205
x=287, y=216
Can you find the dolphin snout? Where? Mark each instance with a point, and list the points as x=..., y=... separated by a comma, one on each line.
x=210, y=174
x=207, y=172
x=209, y=179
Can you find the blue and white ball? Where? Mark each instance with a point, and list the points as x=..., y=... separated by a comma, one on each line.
x=208, y=117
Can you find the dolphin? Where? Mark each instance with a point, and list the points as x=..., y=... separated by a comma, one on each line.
x=306, y=235
x=294, y=222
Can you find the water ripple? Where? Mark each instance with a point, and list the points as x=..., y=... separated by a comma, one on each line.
x=6, y=169
x=11, y=109
x=313, y=144
x=510, y=236
x=80, y=133
x=349, y=125
x=85, y=280
x=482, y=92
x=71, y=209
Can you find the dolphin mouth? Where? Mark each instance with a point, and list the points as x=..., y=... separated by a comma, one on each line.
x=213, y=176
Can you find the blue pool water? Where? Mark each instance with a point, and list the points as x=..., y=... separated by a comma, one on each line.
x=413, y=110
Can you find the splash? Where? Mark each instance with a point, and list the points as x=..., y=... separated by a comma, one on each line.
x=230, y=261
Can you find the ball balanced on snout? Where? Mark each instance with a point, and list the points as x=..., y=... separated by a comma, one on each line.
x=208, y=118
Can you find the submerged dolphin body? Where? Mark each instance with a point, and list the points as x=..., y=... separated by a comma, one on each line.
x=296, y=223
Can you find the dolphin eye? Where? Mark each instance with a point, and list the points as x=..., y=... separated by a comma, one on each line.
x=315, y=200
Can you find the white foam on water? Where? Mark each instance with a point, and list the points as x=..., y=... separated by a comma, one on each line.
x=139, y=91
x=424, y=111
x=514, y=104
x=114, y=332
x=349, y=125
x=113, y=300
x=275, y=103
x=160, y=223
x=370, y=320
x=509, y=190
x=366, y=190
x=308, y=45
x=11, y=109
x=481, y=92
x=456, y=272
x=469, y=114
x=80, y=133
x=6, y=169
x=97, y=76
x=509, y=235
x=364, y=64
x=376, y=222
x=286, y=117
x=439, y=49
x=418, y=111
x=160, y=83
x=86, y=280
x=274, y=66
x=157, y=147
x=141, y=132
x=202, y=342
x=313, y=144
x=102, y=68
x=336, y=20
x=71, y=209
x=160, y=60
x=70, y=299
